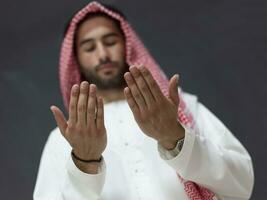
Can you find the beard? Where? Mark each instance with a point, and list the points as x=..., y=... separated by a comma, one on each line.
x=105, y=83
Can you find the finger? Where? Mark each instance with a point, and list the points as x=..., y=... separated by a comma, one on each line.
x=131, y=102
x=100, y=113
x=142, y=85
x=60, y=119
x=91, y=106
x=82, y=103
x=73, y=104
x=173, y=89
x=152, y=84
x=138, y=97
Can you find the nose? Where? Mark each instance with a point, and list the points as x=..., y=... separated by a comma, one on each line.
x=102, y=52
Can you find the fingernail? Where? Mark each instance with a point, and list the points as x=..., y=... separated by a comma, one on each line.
x=177, y=78
x=131, y=67
x=142, y=67
x=128, y=76
x=51, y=108
x=75, y=86
x=92, y=88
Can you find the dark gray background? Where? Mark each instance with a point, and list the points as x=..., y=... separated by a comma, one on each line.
x=218, y=47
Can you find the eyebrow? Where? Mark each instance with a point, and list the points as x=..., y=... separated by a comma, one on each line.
x=104, y=36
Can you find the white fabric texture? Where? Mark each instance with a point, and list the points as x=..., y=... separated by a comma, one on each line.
x=136, y=168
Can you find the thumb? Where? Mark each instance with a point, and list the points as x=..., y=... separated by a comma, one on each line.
x=60, y=119
x=173, y=89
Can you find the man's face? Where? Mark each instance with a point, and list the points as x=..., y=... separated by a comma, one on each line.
x=100, y=49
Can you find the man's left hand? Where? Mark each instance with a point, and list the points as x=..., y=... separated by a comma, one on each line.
x=155, y=113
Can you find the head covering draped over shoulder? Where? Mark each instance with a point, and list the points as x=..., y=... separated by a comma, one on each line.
x=136, y=53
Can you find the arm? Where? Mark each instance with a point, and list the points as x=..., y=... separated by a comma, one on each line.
x=86, y=134
x=58, y=176
x=212, y=157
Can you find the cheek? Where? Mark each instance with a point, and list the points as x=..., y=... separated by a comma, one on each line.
x=119, y=53
x=87, y=60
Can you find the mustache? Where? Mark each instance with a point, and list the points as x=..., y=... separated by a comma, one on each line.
x=97, y=67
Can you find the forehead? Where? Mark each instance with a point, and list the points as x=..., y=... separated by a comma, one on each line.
x=97, y=27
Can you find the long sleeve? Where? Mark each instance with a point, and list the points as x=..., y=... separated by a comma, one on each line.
x=59, y=178
x=212, y=157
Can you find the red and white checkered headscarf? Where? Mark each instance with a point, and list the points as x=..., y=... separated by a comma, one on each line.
x=136, y=53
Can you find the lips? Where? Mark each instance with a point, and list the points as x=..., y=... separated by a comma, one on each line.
x=107, y=66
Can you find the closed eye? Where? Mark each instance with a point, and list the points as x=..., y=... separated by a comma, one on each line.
x=110, y=43
x=90, y=49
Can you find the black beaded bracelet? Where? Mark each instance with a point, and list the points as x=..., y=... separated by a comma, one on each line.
x=87, y=161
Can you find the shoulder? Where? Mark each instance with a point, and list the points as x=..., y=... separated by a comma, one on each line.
x=190, y=100
x=188, y=97
x=195, y=106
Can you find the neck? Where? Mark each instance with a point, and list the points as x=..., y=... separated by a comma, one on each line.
x=111, y=95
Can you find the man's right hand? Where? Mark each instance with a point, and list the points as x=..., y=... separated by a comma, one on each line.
x=85, y=129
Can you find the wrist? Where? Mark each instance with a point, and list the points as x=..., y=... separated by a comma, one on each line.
x=170, y=142
x=91, y=159
x=89, y=166
x=168, y=145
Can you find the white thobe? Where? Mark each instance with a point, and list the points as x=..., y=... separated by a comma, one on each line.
x=135, y=167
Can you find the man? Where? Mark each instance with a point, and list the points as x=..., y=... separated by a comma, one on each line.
x=151, y=143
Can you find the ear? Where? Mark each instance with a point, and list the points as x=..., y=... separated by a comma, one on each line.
x=173, y=89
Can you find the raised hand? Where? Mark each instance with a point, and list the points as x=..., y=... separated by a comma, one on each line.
x=84, y=130
x=155, y=114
